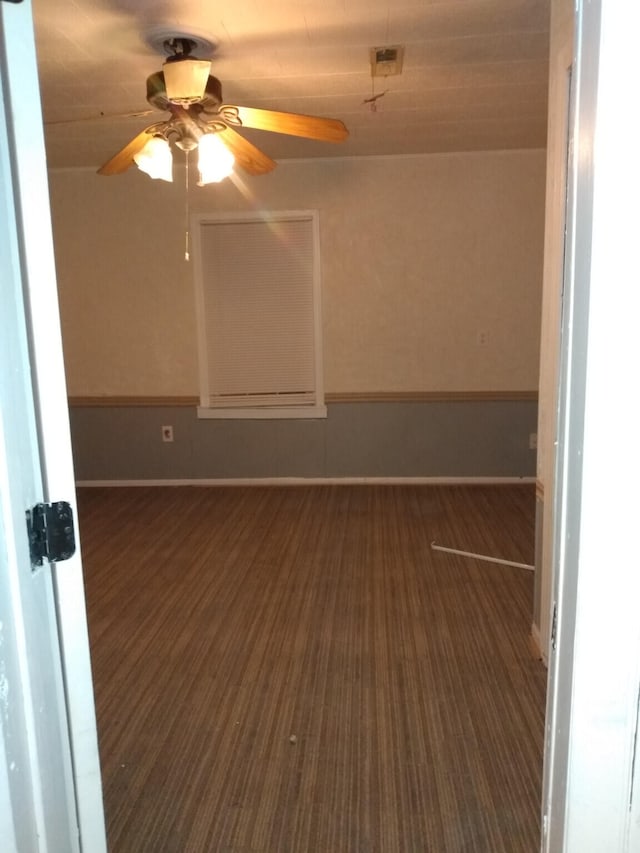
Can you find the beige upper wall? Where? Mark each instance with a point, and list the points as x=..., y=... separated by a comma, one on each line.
x=419, y=255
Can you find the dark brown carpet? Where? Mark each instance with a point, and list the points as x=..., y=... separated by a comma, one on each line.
x=227, y=623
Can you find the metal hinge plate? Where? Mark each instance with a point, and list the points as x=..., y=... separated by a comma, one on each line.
x=51, y=532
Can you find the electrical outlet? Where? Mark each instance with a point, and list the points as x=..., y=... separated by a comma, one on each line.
x=533, y=441
x=482, y=338
x=167, y=433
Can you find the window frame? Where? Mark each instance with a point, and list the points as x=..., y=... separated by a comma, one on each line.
x=317, y=409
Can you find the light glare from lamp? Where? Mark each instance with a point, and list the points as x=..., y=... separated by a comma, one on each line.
x=155, y=159
x=215, y=161
x=185, y=79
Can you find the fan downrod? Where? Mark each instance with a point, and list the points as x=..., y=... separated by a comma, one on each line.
x=179, y=47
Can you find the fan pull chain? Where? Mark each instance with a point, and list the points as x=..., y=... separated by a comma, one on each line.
x=186, y=206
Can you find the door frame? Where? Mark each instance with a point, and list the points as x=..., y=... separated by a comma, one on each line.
x=590, y=801
x=35, y=283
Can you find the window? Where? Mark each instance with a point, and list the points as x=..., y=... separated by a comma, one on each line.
x=258, y=307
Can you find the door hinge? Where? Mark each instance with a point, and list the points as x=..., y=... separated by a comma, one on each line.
x=554, y=627
x=51, y=532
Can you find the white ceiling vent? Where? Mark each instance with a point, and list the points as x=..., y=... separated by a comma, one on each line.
x=386, y=61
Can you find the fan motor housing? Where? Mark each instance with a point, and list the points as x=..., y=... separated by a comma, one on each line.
x=157, y=93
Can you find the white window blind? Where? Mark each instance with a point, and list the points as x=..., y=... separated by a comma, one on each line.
x=259, y=323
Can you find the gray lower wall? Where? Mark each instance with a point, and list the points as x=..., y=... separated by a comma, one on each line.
x=488, y=438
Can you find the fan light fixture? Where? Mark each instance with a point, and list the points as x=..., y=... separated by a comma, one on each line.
x=215, y=161
x=155, y=159
x=185, y=76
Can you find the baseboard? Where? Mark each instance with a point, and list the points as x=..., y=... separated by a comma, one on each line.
x=318, y=481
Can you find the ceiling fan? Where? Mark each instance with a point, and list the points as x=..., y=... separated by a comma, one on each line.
x=200, y=120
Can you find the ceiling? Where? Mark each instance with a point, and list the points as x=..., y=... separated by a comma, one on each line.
x=474, y=75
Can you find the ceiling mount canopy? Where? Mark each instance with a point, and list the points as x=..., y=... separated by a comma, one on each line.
x=161, y=38
x=179, y=47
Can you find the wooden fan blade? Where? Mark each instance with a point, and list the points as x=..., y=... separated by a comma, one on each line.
x=293, y=124
x=121, y=161
x=248, y=157
x=99, y=117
